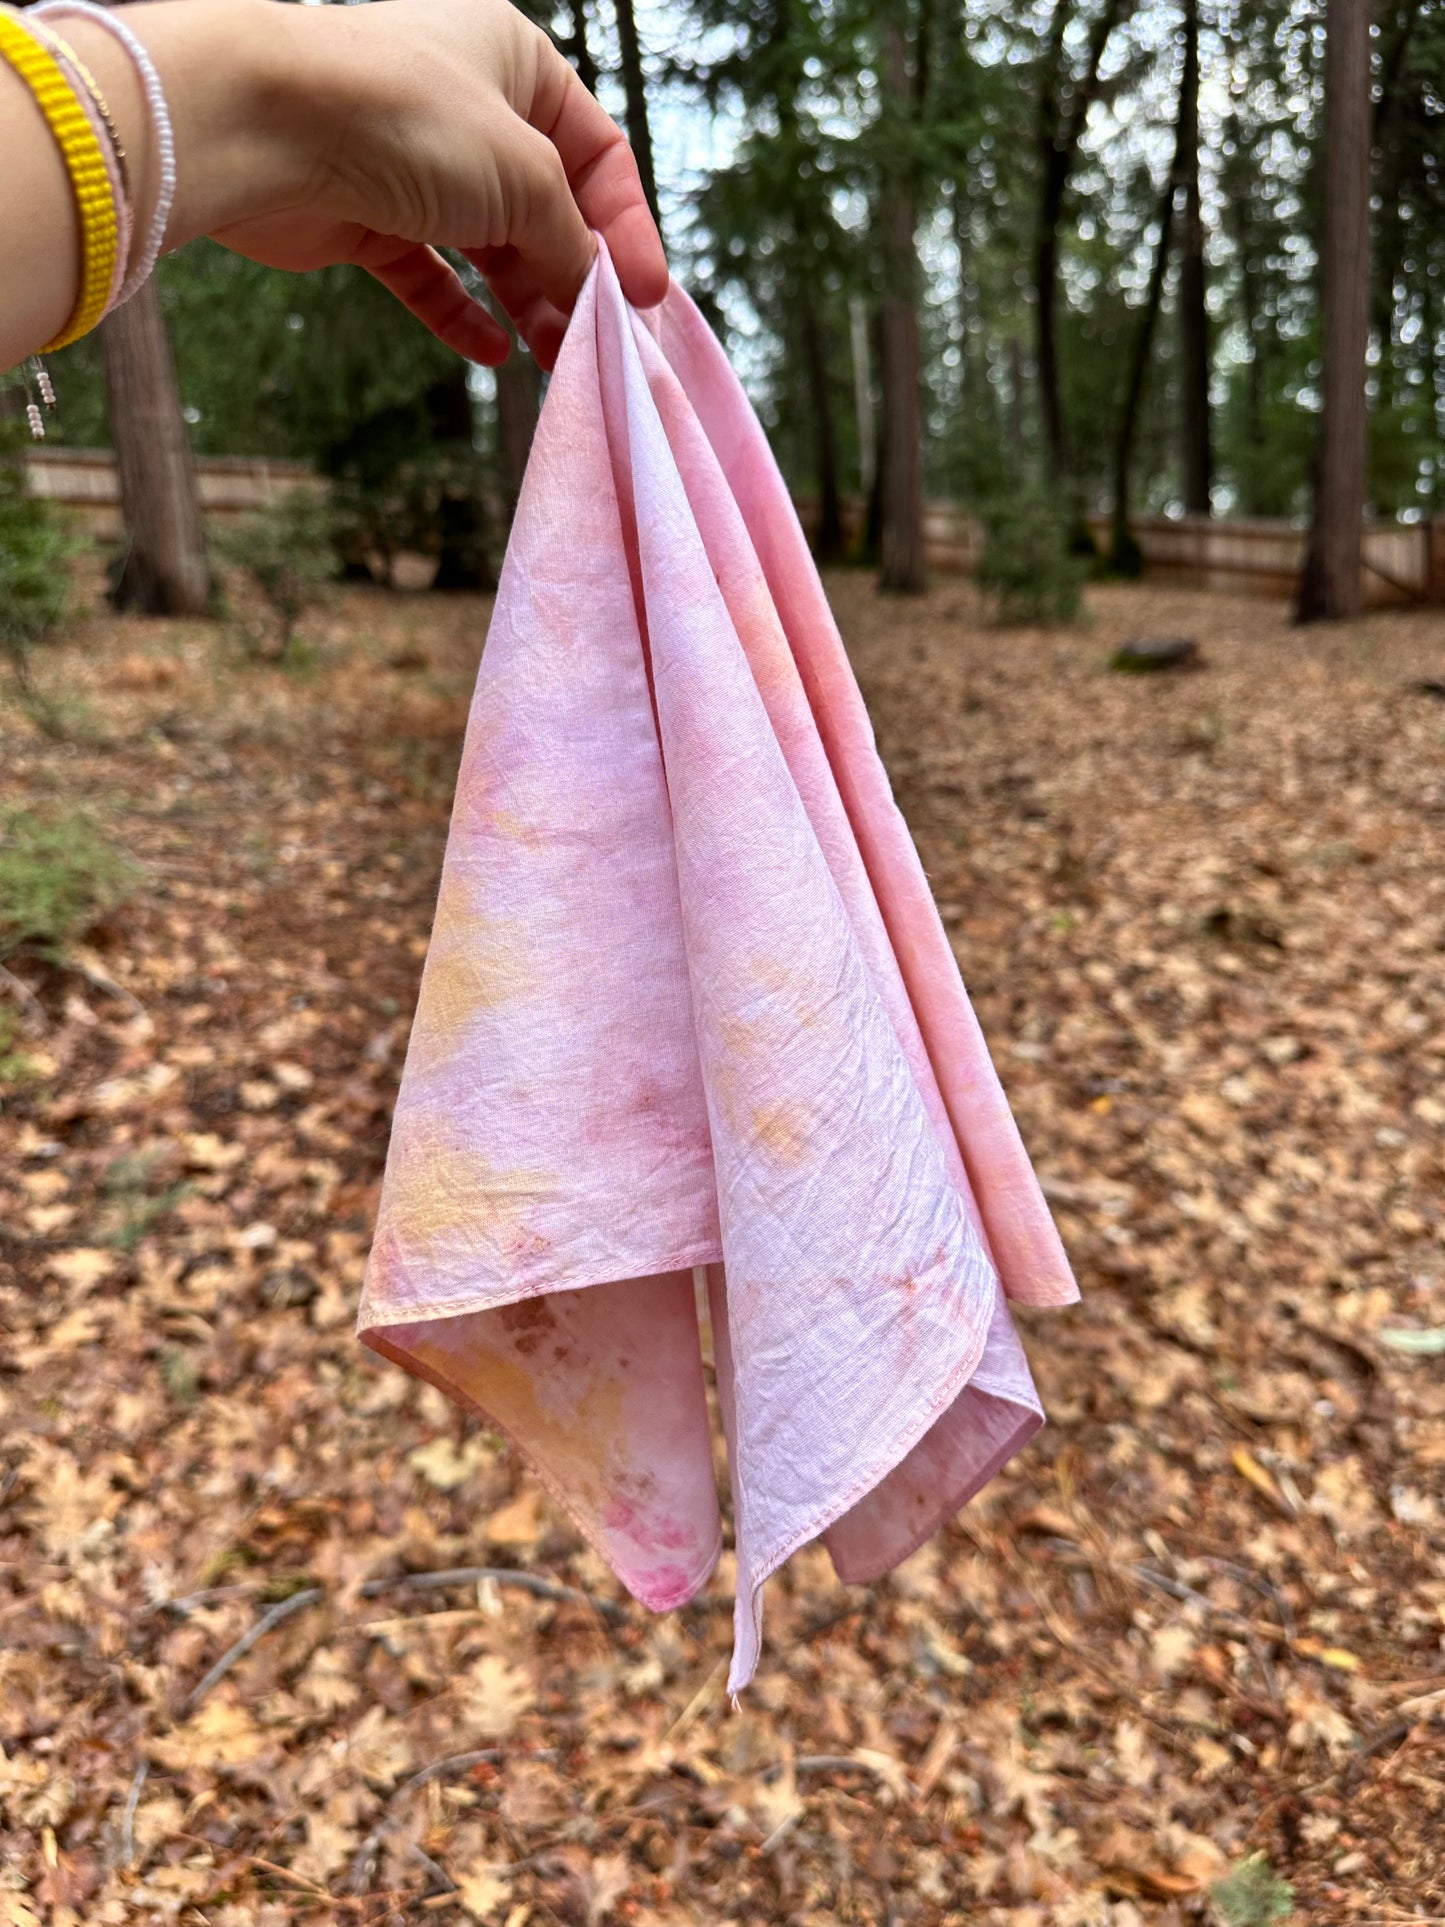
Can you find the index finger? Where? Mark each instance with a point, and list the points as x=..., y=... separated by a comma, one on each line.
x=603, y=176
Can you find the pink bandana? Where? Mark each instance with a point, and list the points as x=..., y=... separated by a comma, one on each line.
x=688, y=1004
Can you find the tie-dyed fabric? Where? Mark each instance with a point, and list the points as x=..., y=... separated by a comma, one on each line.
x=688, y=1004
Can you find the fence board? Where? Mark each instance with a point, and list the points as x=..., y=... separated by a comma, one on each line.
x=1404, y=562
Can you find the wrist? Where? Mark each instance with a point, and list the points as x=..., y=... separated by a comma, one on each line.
x=237, y=96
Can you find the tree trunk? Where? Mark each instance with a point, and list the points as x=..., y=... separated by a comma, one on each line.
x=863, y=397
x=1193, y=313
x=462, y=559
x=828, y=543
x=1332, y=584
x=634, y=87
x=1123, y=552
x=164, y=571
x=903, y=564
x=519, y=396
x=1060, y=132
x=1246, y=248
x=1015, y=403
x=1046, y=282
x=1183, y=172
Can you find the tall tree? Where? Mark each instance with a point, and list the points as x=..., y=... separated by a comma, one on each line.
x=519, y=398
x=772, y=227
x=1332, y=583
x=1124, y=551
x=164, y=571
x=463, y=560
x=1193, y=309
x=1064, y=100
x=904, y=569
x=634, y=87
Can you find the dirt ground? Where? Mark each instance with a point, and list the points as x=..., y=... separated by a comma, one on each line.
x=1197, y=1626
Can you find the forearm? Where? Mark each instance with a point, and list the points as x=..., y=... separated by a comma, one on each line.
x=234, y=73
x=307, y=136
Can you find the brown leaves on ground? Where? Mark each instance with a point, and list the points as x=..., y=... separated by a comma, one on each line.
x=1201, y=1618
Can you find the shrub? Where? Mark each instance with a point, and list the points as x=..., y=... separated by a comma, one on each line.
x=287, y=552
x=60, y=875
x=35, y=556
x=1027, y=569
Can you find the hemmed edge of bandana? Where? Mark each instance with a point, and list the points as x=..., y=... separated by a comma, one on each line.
x=748, y=1617
x=369, y=1318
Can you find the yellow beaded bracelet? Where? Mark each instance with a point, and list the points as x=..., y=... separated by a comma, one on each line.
x=85, y=164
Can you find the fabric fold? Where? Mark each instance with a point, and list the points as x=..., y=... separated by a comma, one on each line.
x=684, y=1006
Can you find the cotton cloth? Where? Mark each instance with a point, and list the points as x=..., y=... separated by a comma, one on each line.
x=688, y=1004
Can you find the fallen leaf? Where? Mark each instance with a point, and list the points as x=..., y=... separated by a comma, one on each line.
x=485, y=1889
x=1250, y=1468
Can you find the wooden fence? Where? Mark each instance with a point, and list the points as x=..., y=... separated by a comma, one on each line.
x=84, y=480
x=1404, y=562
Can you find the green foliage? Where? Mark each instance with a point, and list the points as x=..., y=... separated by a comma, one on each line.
x=287, y=552
x=17, y=1066
x=35, y=554
x=1253, y=1895
x=60, y=875
x=1028, y=570
x=783, y=245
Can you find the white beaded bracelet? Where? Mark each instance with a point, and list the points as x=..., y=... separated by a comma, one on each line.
x=160, y=122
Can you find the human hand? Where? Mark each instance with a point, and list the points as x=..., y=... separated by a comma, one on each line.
x=377, y=134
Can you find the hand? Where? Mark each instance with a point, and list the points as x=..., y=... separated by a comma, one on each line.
x=411, y=125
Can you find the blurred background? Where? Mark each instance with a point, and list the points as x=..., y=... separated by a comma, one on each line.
x=1065, y=255
x=1101, y=344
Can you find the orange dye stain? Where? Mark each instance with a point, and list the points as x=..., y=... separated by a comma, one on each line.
x=476, y=963
x=574, y=1442
x=783, y=1129
x=442, y=1197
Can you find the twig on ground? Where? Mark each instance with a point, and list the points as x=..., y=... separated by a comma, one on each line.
x=412, y=1581
x=26, y=997
x=363, y=1863
x=695, y=1705
x=437, y=1871
x=500, y=1575
x=836, y=1763
x=1261, y=1582
x=89, y=967
x=127, y=1824
x=283, y=1609
x=208, y=1596
x=303, y=1884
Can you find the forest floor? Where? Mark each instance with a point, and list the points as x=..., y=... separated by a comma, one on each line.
x=1191, y=1636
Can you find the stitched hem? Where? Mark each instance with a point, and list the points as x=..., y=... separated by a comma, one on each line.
x=1031, y=1422
x=982, y=1276
x=370, y=1317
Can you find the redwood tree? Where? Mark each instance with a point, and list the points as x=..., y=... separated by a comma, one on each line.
x=1332, y=584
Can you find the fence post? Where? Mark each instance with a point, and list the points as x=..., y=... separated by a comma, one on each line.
x=1435, y=559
